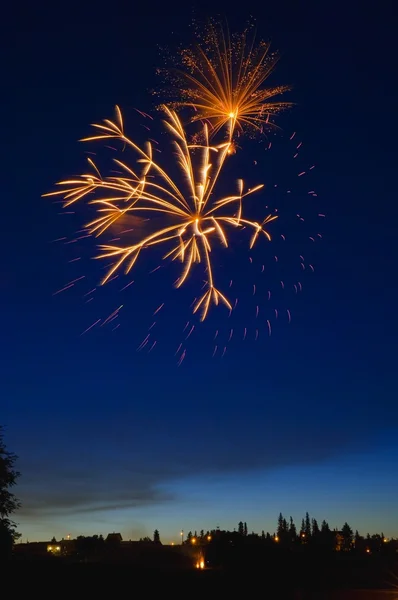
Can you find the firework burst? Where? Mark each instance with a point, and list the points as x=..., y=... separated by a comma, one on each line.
x=222, y=77
x=173, y=207
x=196, y=217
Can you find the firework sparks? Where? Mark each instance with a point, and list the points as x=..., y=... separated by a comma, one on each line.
x=167, y=200
x=221, y=78
x=196, y=217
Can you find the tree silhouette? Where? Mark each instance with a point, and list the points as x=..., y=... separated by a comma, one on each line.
x=376, y=542
x=302, y=530
x=279, y=529
x=325, y=527
x=359, y=542
x=282, y=529
x=326, y=537
x=240, y=528
x=292, y=530
x=8, y=502
x=245, y=528
x=156, y=537
x=307, y=526
x=315, y=529
x=285, y=527
x=347, y=534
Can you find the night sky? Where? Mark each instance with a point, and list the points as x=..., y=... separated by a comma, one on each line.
x=111, y=439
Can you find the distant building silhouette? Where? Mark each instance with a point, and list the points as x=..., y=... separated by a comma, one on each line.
x=115, y=538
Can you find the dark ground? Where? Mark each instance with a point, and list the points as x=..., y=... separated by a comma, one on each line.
x=345, y=578
x=113, y=582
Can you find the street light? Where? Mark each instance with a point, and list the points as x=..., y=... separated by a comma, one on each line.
x=182, y=536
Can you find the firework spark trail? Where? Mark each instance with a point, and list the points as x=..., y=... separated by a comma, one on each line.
x=91, y=326
x=127, y=285
x=182, y=357
x=112, y=315
x=66, y=287
x=198, y=216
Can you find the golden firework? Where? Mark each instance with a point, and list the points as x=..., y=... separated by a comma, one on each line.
x=221, y=79
x=192, y=215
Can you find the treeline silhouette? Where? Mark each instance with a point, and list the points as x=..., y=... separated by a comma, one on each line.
x=310, y=535
x=312, y=555
x=309, y=557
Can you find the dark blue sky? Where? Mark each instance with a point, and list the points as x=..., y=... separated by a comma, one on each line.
x=112, y=439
